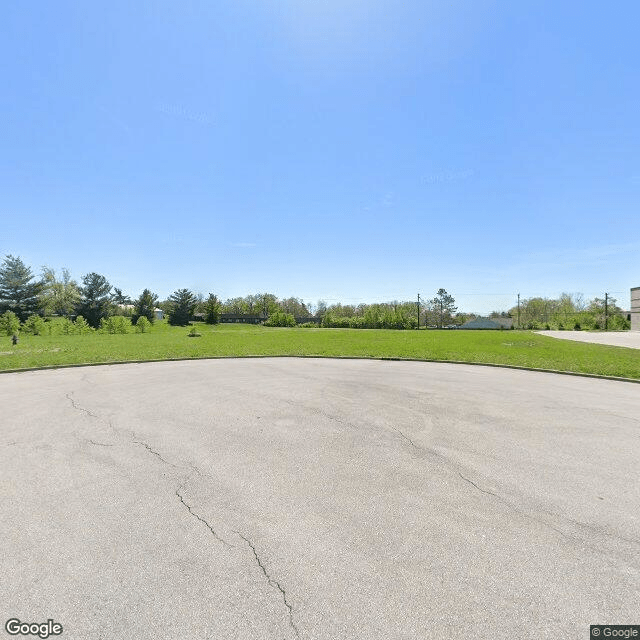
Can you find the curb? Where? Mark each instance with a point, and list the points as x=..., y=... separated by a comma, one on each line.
x=381, y=358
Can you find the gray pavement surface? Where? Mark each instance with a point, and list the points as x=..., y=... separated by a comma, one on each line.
x=318, y=499
x=629, y=339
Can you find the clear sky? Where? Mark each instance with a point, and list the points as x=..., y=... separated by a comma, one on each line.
x=351, y=150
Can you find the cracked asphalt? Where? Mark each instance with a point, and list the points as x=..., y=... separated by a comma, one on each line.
x=318, y=499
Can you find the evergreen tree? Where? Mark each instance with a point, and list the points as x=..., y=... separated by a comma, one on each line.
x=96, y=299
x=212, y=309
x=145, y=307
x=120, y=298
x=183, y=304
x=18, y=290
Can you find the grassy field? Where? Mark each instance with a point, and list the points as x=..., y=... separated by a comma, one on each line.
x=164, y=342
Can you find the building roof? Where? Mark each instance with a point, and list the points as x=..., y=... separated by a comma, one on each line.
x=482, y=323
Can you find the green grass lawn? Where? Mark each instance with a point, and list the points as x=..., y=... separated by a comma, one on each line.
x=519, y=348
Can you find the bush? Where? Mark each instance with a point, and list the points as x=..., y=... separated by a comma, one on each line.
x=9, y=323
x=577, y=326
x=193, y=333
x=143, y=325
x=280, y=319
x=34, y=325
x=309, y=325
x=115, y=324
x=66, y=327
x=373, y=318
x=81, y=326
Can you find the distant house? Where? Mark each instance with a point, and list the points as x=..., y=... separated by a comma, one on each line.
x=635, y=309
x=507, y=323
x=233, y=318
x=126, y=309
x=488, y=323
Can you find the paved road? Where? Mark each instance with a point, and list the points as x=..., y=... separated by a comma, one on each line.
x=318, y=499
x=630, y=339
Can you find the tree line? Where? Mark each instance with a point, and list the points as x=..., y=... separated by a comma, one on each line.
x=26, y=300
x=570, y=311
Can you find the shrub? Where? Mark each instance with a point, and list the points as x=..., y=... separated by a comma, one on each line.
x=115, y=324
x=193, y=333
x=81, y=326
x=34, y=324
x=280, y=319
x=619, y=323
x=9, y=323
x=309, y=325
x=373, y=318
x=143, y=325
x=65, y=326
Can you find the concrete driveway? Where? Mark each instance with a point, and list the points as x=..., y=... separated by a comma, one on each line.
x=318, y=499
x=629, y=339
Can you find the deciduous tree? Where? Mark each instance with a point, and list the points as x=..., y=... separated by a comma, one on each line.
x=60, y=296
x=444, y=305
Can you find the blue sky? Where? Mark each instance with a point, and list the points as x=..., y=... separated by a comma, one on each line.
x=353, y=150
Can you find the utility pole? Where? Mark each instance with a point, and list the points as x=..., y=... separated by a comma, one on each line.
x=418, y=312
x=606, y=311
x=518, y=311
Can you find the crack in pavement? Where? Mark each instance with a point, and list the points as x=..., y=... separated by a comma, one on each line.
x=100, y=444
x=509, y=505
x=155, y=453
x=523, y=513
x=480, y=488
x=600, y=531
x=195, y=515
x=593, y=529
x=409, y=440
x=573, y=536
x=273, y=583
x=77, y=407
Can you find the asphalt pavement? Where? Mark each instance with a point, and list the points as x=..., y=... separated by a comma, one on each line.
x=629, y=339
x=318, y=499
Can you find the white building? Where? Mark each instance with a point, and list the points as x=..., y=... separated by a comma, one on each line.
x=635, y=309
